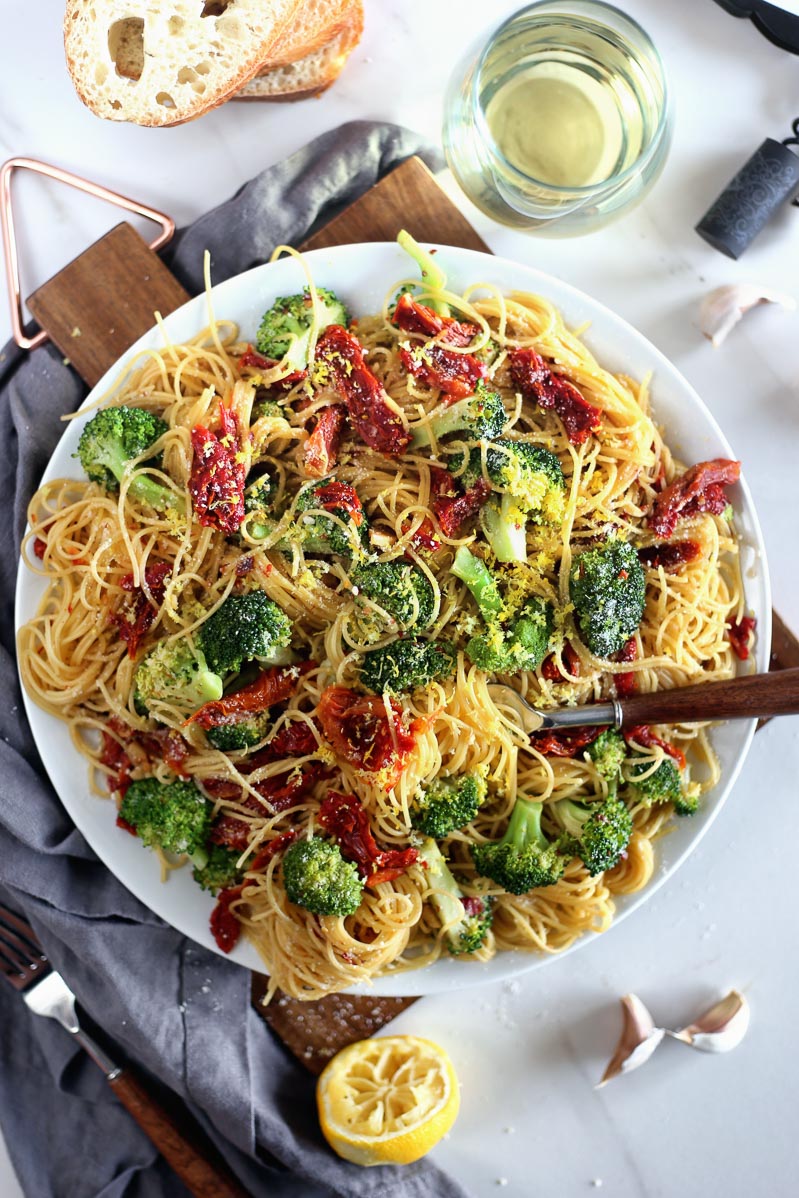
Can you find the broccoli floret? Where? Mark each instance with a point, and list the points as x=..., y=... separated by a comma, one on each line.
x=230, y=737
x=478, y=417
x=317, y=877
x=433, y=277
x=404, y=665
x=663, y=785
x=533, y=488
x=607, y=587
x=328, y=519
x=286, y=327
x=481, y=582
x=447, y=803
x=523, y=859
x=245, y=628
x=608, y=752
x=597, y=833
x=173, y=816
x=219, y=871
x=521, y=645
x=175, y=672
x=401, y=589
x=465, y=919
x=113, y=438
x=260, y=494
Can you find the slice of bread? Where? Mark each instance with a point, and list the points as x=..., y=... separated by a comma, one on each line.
x=316, y=22
x=310, y=75
x=165, y=63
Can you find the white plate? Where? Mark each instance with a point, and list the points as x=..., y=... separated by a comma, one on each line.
x=361, y=275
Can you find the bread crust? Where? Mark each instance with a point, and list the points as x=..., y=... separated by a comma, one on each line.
x=314, y=73
x=322, y=20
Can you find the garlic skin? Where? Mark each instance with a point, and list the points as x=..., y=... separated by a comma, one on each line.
x=721, y=310
x=639, y=1039
x=719, y=1029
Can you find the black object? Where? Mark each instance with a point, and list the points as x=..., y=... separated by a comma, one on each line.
x=768, y=180
x=778, y=25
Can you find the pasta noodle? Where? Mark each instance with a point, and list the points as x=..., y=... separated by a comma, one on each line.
x=87, y=541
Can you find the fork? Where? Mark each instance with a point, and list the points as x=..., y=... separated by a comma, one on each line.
x=24, y=965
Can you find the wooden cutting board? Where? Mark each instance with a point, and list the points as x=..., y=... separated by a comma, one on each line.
x=102, y=302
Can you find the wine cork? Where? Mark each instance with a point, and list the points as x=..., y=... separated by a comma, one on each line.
x=768, y=180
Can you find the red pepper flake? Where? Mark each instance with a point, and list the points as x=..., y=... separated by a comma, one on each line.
x=740, y=635
x=135, y=618
x=642, y=734
x=216, y=482
x=699, y=489
x=225, y=927
x=320, y=452
x=359, y=732
x=626, y=684
x=376, y=422
x=257, y=361
x=39, y=547
x=670, y=557
x=272, y=685
x=342, y=816
x=175, y=753
x=563, y=742
x=571, y=660
x=537, y=383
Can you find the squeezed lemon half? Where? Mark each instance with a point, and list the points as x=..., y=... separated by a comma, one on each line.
x=388, y=1100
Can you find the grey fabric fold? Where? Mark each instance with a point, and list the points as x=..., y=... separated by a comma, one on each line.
x=180, y=1012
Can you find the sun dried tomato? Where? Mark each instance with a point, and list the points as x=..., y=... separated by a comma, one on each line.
x=447, y=370
x=413, y=317
x=452, y=513
x=343, y=816
x=125, y=826
x=423, y=538
x=626, y=684
x=642, y=734
x=377, y=423
x=225, y=928
x=265, y=855
x=244, y=566
x=670, y=557
x=699, y=489
x=116, y=763
x=137, y=615
x=359, y=731
x=320, y=452
x=293, y=740
x=340, y=497
x=739, y=635
x=216, y=482
x=281, y=792
x=39, y=547
x=536, y=381
x=563, y=742
x=272, y=685
x=571, y=660
x=251, y=357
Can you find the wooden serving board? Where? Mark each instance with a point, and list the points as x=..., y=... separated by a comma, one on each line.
x=102, y=302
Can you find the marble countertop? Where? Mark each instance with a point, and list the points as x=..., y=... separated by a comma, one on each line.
x=529, y=1052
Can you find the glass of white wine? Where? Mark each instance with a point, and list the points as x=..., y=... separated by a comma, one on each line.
x=562, y=120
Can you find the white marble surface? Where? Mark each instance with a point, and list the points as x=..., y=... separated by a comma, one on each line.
x=529, y=1053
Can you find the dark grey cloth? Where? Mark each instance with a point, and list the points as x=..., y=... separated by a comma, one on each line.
x=179, y=1011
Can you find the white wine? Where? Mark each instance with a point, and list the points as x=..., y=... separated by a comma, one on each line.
x=563, y=119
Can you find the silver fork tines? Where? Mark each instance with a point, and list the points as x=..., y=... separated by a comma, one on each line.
x=21, y=958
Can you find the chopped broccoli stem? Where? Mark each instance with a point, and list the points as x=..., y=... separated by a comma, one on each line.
x=475, y=573
x=505, y=526
x=608, y=752
x=399, y=588
x=175, y=672
x=607, y=585
x=173, y=816
x=220, y=869
x=479, y=417
x=285, y=331
x=523, y=859
x=433, y=277
x=404, y=665
x=447, y=803
x=533, y=488
x=317, y=877
x=245, y=628
x=112, y=439
x=597, y=833
x=466, y=920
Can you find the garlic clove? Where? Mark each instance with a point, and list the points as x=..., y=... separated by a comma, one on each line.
x=719, y=1029
x=721, y=310
x=639, y=1039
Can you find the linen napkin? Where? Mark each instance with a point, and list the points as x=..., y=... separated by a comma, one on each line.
x=167, y=1004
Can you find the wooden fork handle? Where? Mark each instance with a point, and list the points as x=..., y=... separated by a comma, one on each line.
x=203, y=1177
x=751, y=696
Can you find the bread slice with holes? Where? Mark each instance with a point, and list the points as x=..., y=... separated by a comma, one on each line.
x=165, y=63
x=311, y=74
x=315, y=23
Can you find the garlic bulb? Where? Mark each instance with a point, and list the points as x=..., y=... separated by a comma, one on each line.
x=721, y=310
x=639, y=1039
x=721, y=1028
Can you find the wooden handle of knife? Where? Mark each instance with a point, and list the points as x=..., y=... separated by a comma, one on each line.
x=753, y=695
x=205, y=1178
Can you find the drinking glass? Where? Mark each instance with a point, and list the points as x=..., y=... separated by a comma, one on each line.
x=562, y=119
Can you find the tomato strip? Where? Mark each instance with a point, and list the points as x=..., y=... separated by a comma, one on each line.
x=272, y=685
x=626, y=684
x=225, y=928
x=357, y=728
x=699, y=489
x=537, y=383
x=413, y=317
x=740, y=634
x=339, y=355
x=670, y=557
x=216, y=481
x=136, y=616
x=320, y=452
x=342, y=816
x=643, y=735
x=563, y=742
